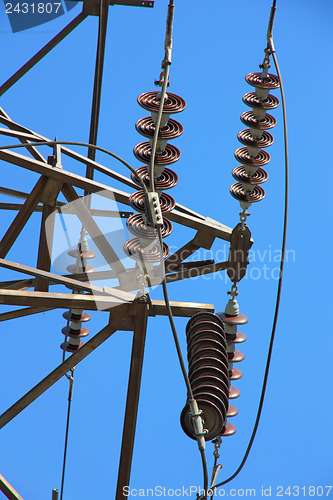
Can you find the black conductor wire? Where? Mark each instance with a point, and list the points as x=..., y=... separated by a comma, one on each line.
x=283, y=251
x=70, y=397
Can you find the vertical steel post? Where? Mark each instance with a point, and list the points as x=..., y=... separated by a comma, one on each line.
x=132, y=402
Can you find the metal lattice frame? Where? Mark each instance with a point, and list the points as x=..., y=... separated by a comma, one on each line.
x=126, y=311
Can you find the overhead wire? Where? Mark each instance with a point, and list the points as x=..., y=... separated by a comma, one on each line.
x=271, y=49
x=84, y=144
x=165, y=71
x=70, y=397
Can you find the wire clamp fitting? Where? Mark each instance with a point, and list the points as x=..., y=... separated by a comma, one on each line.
x=160, y=81
x=243, y=215
x=234, y=290
x=217, y=443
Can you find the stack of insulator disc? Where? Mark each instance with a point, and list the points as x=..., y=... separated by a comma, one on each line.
x=208, y=370
x=145, y=245
x=250, y=174
x=233, y=336
x=75, y=317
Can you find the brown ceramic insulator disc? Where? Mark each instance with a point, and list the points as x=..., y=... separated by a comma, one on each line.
x=209, y=362
x=232, y=411
x=170, y=154
x=211, y=415
x=209, y=372
x=167, y=180
x=245, y=137
x=240, y=319
x=208, y=395
x=89, y=254
x=205, y=353
x=262, y=158
x=250, y=120
x=268, y=82
x=75, y=318
x=236, y=374
x=173, y=104
x=237, y=191
x=237, y=356
x=237, y=338
x=215, y=396
x=229, y=429
x=205, y=383
x=134, y=249
x=209, y=352
x=73, y=269
x=234, y=392
x=70, y=347
x=137, y=201
x=84, y=332
x=206, y=335
x=135, y=224
x=146, y=127
x=253, y=101
x=204, y=316
x=198, y=345
x=260, y=175
x=204, y=326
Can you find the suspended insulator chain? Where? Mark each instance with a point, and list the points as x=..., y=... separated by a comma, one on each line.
x=75, y=317
x=209, y=367
x=145, y=245
x=231, y=318
x=255, y=138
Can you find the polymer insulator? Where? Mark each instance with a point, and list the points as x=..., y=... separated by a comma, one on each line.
x=208, y=368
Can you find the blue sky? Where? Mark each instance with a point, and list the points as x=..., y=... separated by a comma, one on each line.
x=215, y=44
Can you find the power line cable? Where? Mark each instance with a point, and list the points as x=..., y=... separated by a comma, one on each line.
x=70, y=397
x=84, y=144
x=283, y=250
